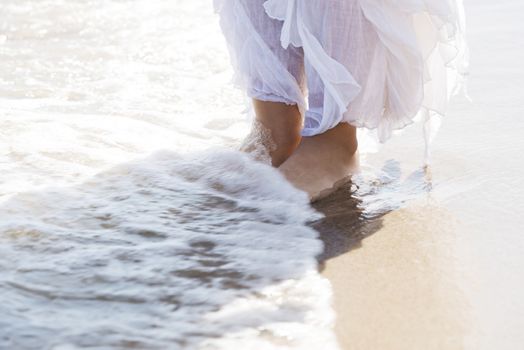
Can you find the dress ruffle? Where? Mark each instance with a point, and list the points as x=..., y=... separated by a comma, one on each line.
x=339, y=84
x=419, y=60
x=257, y=70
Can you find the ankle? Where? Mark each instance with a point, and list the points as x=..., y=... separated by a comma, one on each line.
x=343, y=137
x=284, y=148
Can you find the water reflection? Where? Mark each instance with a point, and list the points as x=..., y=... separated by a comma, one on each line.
x=355, y=211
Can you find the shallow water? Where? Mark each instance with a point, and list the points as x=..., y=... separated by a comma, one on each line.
x=167, y=251
x=107, y=243
x=120, y=228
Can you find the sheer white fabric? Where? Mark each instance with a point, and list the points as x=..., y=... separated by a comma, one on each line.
x=371, y=63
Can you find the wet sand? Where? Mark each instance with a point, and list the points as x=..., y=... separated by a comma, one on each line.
x=441, y=268
x=394, y=288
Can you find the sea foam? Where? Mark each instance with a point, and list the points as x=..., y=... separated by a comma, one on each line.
x=209, y=250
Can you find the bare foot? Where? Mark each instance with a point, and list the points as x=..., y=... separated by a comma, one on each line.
x=322, y=163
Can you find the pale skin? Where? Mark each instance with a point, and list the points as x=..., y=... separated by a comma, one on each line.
x=316, y=164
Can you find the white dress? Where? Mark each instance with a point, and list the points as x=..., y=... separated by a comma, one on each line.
x=371, y=63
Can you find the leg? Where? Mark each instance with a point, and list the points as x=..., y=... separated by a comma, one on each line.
x=323, y=162
x=284, y=124
x=268, y=72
